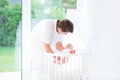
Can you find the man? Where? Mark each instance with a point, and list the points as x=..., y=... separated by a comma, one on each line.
x=46, y=37
x=48, y=33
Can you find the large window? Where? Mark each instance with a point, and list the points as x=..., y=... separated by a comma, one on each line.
x=10, y=39
x=11, y=28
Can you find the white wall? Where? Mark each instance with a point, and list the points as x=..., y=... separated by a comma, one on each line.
x=103, y=17
x=77, y=38
x=99, y=24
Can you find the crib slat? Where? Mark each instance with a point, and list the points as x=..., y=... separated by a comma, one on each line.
x=73, y=69
x=66, y=71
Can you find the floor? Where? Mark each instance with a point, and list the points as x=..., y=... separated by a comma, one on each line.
x=10, y=76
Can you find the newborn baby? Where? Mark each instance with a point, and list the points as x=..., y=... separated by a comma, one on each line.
x=68, y=49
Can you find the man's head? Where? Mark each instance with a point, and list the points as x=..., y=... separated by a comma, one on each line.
x=64, y=26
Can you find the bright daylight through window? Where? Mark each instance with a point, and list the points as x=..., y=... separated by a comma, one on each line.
x=10, y=39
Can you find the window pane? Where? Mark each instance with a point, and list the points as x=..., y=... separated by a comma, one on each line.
x=54, y=9
x=10, y=39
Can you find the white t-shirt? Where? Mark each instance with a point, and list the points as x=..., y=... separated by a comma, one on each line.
x=44, y=32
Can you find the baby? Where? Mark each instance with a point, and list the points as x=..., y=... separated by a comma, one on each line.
x=67, y=49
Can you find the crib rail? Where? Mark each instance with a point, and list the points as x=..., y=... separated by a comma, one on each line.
x=61, y=66
x=67, y=66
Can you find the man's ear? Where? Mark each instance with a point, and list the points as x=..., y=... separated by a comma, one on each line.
x=59, y=30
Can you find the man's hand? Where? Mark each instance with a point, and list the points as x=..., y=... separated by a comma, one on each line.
x=69, y=46
x=72, y=51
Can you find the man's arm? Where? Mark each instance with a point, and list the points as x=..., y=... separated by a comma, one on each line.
x=48, y=48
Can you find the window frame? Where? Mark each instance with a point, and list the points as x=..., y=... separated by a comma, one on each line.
x=26, y=14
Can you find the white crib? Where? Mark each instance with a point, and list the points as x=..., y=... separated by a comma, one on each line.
x=64, y=66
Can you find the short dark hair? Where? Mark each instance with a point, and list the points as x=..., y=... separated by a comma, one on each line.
x=65, y=25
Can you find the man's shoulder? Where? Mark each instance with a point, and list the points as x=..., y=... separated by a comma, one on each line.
x=45, y=24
